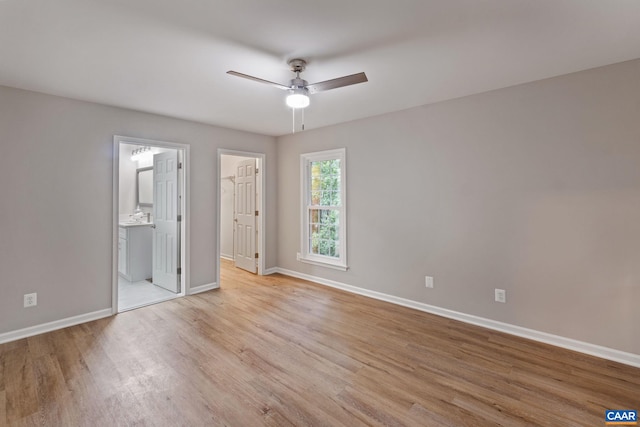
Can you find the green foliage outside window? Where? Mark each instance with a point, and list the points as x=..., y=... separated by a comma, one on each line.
x=325, y=193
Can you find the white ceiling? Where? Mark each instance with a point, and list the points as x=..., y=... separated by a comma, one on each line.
x=170, y=57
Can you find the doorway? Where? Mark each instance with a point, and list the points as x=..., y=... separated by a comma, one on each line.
x=241, y=210
x=150, y=222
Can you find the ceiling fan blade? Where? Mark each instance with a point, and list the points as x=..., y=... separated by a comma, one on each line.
x=259, y=80
x=339, y=82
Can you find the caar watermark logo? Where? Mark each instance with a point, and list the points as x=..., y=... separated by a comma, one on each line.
x=621, y=417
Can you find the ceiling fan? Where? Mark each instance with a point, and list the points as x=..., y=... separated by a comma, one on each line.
x=299, y=89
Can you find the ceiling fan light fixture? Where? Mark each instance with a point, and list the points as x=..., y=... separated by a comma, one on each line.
x=298, y=98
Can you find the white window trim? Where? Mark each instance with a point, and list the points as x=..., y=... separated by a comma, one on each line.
x=304, y=256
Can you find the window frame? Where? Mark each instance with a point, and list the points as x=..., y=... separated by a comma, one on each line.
x=305, y=255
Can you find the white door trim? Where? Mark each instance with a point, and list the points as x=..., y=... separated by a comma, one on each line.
x=262, y=166
x=184, y=149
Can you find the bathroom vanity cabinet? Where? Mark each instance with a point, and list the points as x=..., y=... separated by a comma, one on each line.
x=134, y=251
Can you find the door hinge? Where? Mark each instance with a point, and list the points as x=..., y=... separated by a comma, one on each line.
x=256, y=213
x=179, y=270
x=257, y=255
x=180, y=165
x=179, y=218
x=257, y=170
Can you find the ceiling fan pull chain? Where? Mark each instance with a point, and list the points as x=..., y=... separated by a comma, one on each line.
x=293, y=118
x=303, y=119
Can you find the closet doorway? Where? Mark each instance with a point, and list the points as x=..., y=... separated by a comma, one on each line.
x=241, y=210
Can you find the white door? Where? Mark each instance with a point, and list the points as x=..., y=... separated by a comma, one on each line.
x=166, y=231
x=245, y=236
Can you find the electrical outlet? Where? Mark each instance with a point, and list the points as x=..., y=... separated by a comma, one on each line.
x=501, y=295
x=30, y=300
x=428, y=281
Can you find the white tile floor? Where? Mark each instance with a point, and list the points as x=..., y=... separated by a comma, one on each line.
x=138, y=294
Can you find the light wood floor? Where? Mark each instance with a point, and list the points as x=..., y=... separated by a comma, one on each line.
x=280, y=351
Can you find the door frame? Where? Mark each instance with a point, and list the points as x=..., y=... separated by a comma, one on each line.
x=184, y=157
x=262, y=168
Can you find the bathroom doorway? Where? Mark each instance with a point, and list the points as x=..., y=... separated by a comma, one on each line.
x=150, y=218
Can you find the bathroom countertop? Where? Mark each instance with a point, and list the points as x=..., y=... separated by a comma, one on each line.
x=126, y=224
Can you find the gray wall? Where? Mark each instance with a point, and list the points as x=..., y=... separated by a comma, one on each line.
x=56, y=160
x=534, y=189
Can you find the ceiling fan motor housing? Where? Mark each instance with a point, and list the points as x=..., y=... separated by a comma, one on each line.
x=298, y=83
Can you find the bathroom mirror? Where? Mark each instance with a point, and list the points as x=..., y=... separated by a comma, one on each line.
x=144, y=186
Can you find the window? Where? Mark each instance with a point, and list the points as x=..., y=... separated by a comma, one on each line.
x=324, y=209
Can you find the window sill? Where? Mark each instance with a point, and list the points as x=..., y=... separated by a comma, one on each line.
x=335, y=266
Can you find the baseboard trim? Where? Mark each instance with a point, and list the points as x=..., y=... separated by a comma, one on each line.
x=556, y=340
x=203, y=288
x=268, y=271
x=227, y=257
x=55, y=325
